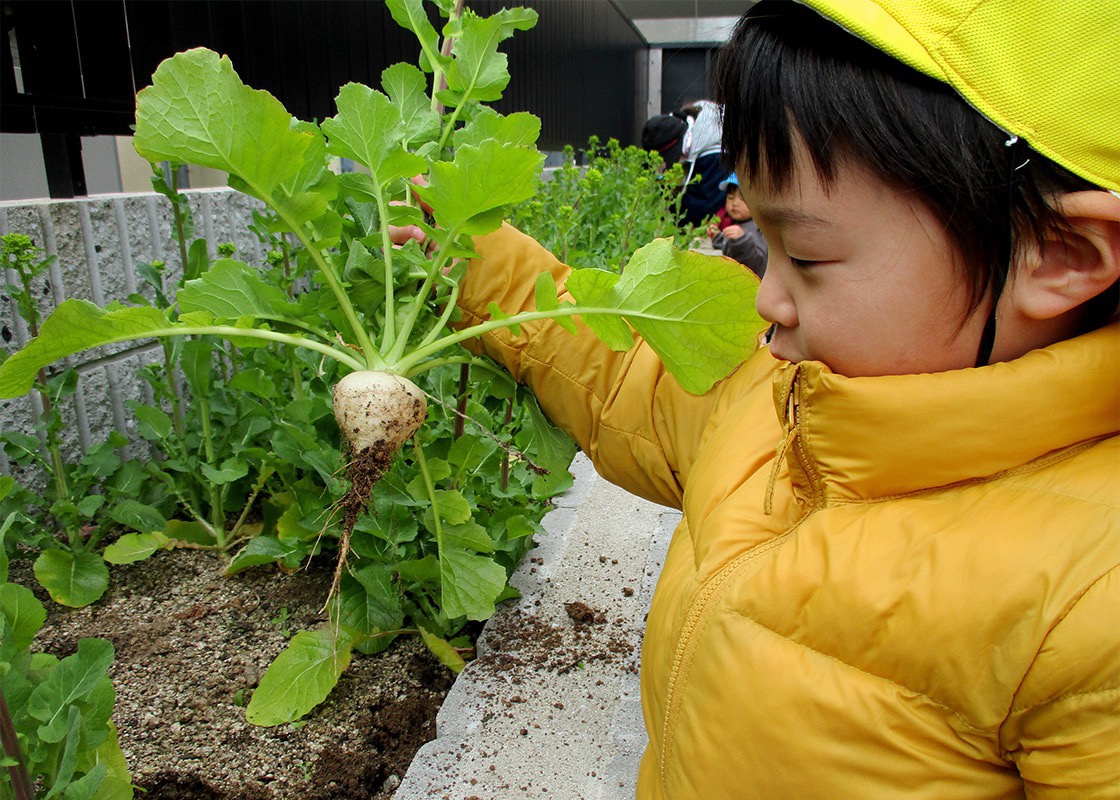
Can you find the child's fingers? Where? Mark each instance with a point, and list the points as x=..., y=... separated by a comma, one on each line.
x=420, y=180
x=399, y=235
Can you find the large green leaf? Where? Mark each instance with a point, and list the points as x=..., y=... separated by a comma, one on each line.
x=471, y=193
x=133, y=547
x=369, y=129
x=301, y=677
x=72, y=579
x=77, y=678
x=407, y=88
x=470, y=583
x=521, y=129
x=21, y=617
x=697, y=312
x=370, y=603
x=75, y=326
x=479, y=71
x=198, y=111
x=231, y=289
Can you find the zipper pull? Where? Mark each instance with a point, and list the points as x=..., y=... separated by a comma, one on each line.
x=789, y=433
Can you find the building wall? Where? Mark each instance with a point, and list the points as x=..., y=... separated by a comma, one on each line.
x=582, y=70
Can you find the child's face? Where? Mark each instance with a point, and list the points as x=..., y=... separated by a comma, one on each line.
x=861, y=277
x=736, y=206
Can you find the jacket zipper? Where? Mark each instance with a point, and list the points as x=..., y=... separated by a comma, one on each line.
x=699, y=606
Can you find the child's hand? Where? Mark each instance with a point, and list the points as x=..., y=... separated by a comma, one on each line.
x=733, y=232
x=713, y=229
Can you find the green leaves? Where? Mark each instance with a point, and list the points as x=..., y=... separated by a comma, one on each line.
x=301, y=677
x=469, y=195
x=479, y=71
x=74, y=326
x=198, y=111
x=61, y=710
x=73, y=579
x=231, y=289
x=695, y=311
x=370, y=129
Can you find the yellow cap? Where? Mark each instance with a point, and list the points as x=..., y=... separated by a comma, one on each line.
x=1047, y=71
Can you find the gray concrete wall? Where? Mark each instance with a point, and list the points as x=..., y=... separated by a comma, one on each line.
x=99, y=241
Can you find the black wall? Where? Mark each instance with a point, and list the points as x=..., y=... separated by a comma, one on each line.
x=82, y=61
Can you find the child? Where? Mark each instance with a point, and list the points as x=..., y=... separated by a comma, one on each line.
x=898, y=569
x=736, y=235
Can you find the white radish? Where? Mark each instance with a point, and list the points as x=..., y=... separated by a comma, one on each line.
x=378, y=410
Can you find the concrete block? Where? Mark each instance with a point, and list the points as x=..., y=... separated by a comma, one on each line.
x=99, y=242
x=550, y=708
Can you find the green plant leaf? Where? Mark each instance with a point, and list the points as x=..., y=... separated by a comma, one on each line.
x=369, y=129
x=520, y=129
x=152, y=423
x=232, y=289
x=479, y=71
x=468, y=536
x=133, y=547
x=138, y=516
x=301, y=677
x=442, y=649
x=21, y=617
x=77, y=678
x=117, y=784
x=696, y=311
x=407, y=88
x=410, y=14
x=232, y=469
x=74, y=326
x=72, y=579
x=470, y=583
x=547, y=300
x=470, y=193
x=198, y=111
x=266, y=550
x=369, y=603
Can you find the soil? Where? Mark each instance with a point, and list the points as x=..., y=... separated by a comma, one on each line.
x=191, y=644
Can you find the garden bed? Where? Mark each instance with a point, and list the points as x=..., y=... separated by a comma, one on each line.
x=192, y=643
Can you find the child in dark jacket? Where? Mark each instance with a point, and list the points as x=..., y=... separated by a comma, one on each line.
x=735, y=234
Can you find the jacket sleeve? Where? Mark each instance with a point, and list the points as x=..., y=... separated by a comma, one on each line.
x=640, y=429
x=1063, y=732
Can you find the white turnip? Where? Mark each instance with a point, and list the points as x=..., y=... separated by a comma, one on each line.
x=377, y=413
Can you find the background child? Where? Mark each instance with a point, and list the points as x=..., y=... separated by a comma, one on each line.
x=735, y=234
x=897, y=573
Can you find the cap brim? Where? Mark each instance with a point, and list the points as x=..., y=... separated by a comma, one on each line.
x=870, y=22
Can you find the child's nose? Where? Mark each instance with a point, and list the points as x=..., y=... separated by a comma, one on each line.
x=773, y=302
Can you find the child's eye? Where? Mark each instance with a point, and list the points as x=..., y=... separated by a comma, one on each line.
x=802, y=263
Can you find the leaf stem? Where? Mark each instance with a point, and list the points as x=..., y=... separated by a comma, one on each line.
x=372, y=356
x=21, y=781
x=389, y=334
x=431, y=490
x=405, y=365
x=230, y=331
x=397, y=353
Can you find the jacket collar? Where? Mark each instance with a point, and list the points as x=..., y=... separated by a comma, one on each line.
x=865, y=438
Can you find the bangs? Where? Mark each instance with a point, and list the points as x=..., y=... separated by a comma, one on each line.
x=789, y=76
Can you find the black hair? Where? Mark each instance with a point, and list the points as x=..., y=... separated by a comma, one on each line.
x=787, y=74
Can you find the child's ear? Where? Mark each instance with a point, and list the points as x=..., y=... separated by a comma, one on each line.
x=1074, y=266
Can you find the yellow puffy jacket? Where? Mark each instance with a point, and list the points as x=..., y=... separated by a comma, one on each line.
x=881, y=587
